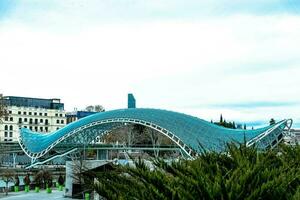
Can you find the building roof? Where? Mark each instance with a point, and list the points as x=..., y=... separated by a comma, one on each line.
x=34, y=102
x=186, y=131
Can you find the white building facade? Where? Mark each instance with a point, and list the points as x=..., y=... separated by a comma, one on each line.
x=38, y=115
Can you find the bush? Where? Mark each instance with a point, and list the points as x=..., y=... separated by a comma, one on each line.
x=240, y=173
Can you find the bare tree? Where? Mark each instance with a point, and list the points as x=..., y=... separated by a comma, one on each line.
x=8, y=176
x=99, y=108
x=90, y=108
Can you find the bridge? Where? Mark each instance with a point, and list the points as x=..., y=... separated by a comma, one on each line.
x=186, y=131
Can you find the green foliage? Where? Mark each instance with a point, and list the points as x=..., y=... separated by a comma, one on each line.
x=240, y=173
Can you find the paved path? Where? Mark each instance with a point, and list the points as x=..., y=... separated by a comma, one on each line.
x=42, y=195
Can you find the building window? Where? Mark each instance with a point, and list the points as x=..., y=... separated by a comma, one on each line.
x=46, y=129
x=62, y=121
x=6, y=127
x=35, y=113
x=57, y=121
x=24, y=113
x=6, y=118
x=56, y=115
x=19, y=112
x=5, y=140
x=10, y=112
x=36, y=121
x=30, y=127
x=41, y=114
x=36, y=128
x=41, y=120
x=20, y=120
x=45, y=114
x=30, y=113
x=10, y=134
x=46, y=122
x=30, y=121
x=57, y=128
x=5, y=134
x=11, y=119
x=41, y=129
x=60, y=115
x=25, y=119
x=25, y=126
x=11, y=127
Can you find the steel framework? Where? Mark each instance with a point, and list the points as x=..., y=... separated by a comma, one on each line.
x=184, y=130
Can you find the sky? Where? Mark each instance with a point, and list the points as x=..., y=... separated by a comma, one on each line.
x=204, y=58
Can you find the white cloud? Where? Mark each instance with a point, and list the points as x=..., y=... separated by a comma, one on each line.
x=167, y=64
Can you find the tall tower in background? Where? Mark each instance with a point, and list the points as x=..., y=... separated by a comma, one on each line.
x=131, y=101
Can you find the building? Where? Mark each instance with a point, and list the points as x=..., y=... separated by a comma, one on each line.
x=293, y=138
x=38, y=115
x=76, y=115
x=131, y=101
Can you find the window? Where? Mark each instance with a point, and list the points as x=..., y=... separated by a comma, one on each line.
x=5, y=140
x=10, y=112
x=60, y=115
x=62, y=121
x=41, y=129
x=6, y=127
x=5, y=134
x=41, y=120
x=36, y=128
x=11, y=119
x=30, y=127
x=30, y=121
x=56, y=115
x=30, y=113
x=25, y=126
x=57, y=128
x=11, y=127
x=46, y=129
x=24, y=113
x=46, y=121
x=35, y=113
x=41, y=114
x=6, y=118
x=10, y=134
x=25, y=119
x=19, y=112
x=57, y=121
x=36, y=121
x=45, y=114
x=20, y=120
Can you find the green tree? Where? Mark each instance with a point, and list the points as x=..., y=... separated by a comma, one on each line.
x=242, y=173
x=272, y=121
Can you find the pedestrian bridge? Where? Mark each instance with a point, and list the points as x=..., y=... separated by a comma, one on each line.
x=186, y=131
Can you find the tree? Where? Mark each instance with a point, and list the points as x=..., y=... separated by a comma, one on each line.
x=43, y=179
x=27, y=180
x=95, y=108
x=241, y=173
x=90, y=108
x=272, y=121
x=7, y=176
x=99, y=108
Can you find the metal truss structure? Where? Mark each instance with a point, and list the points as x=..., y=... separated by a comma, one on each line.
x=185, y=131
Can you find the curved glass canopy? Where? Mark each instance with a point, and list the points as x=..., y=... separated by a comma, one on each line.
x=185, y=130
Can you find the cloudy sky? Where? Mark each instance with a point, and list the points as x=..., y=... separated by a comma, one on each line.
x=239, y=58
